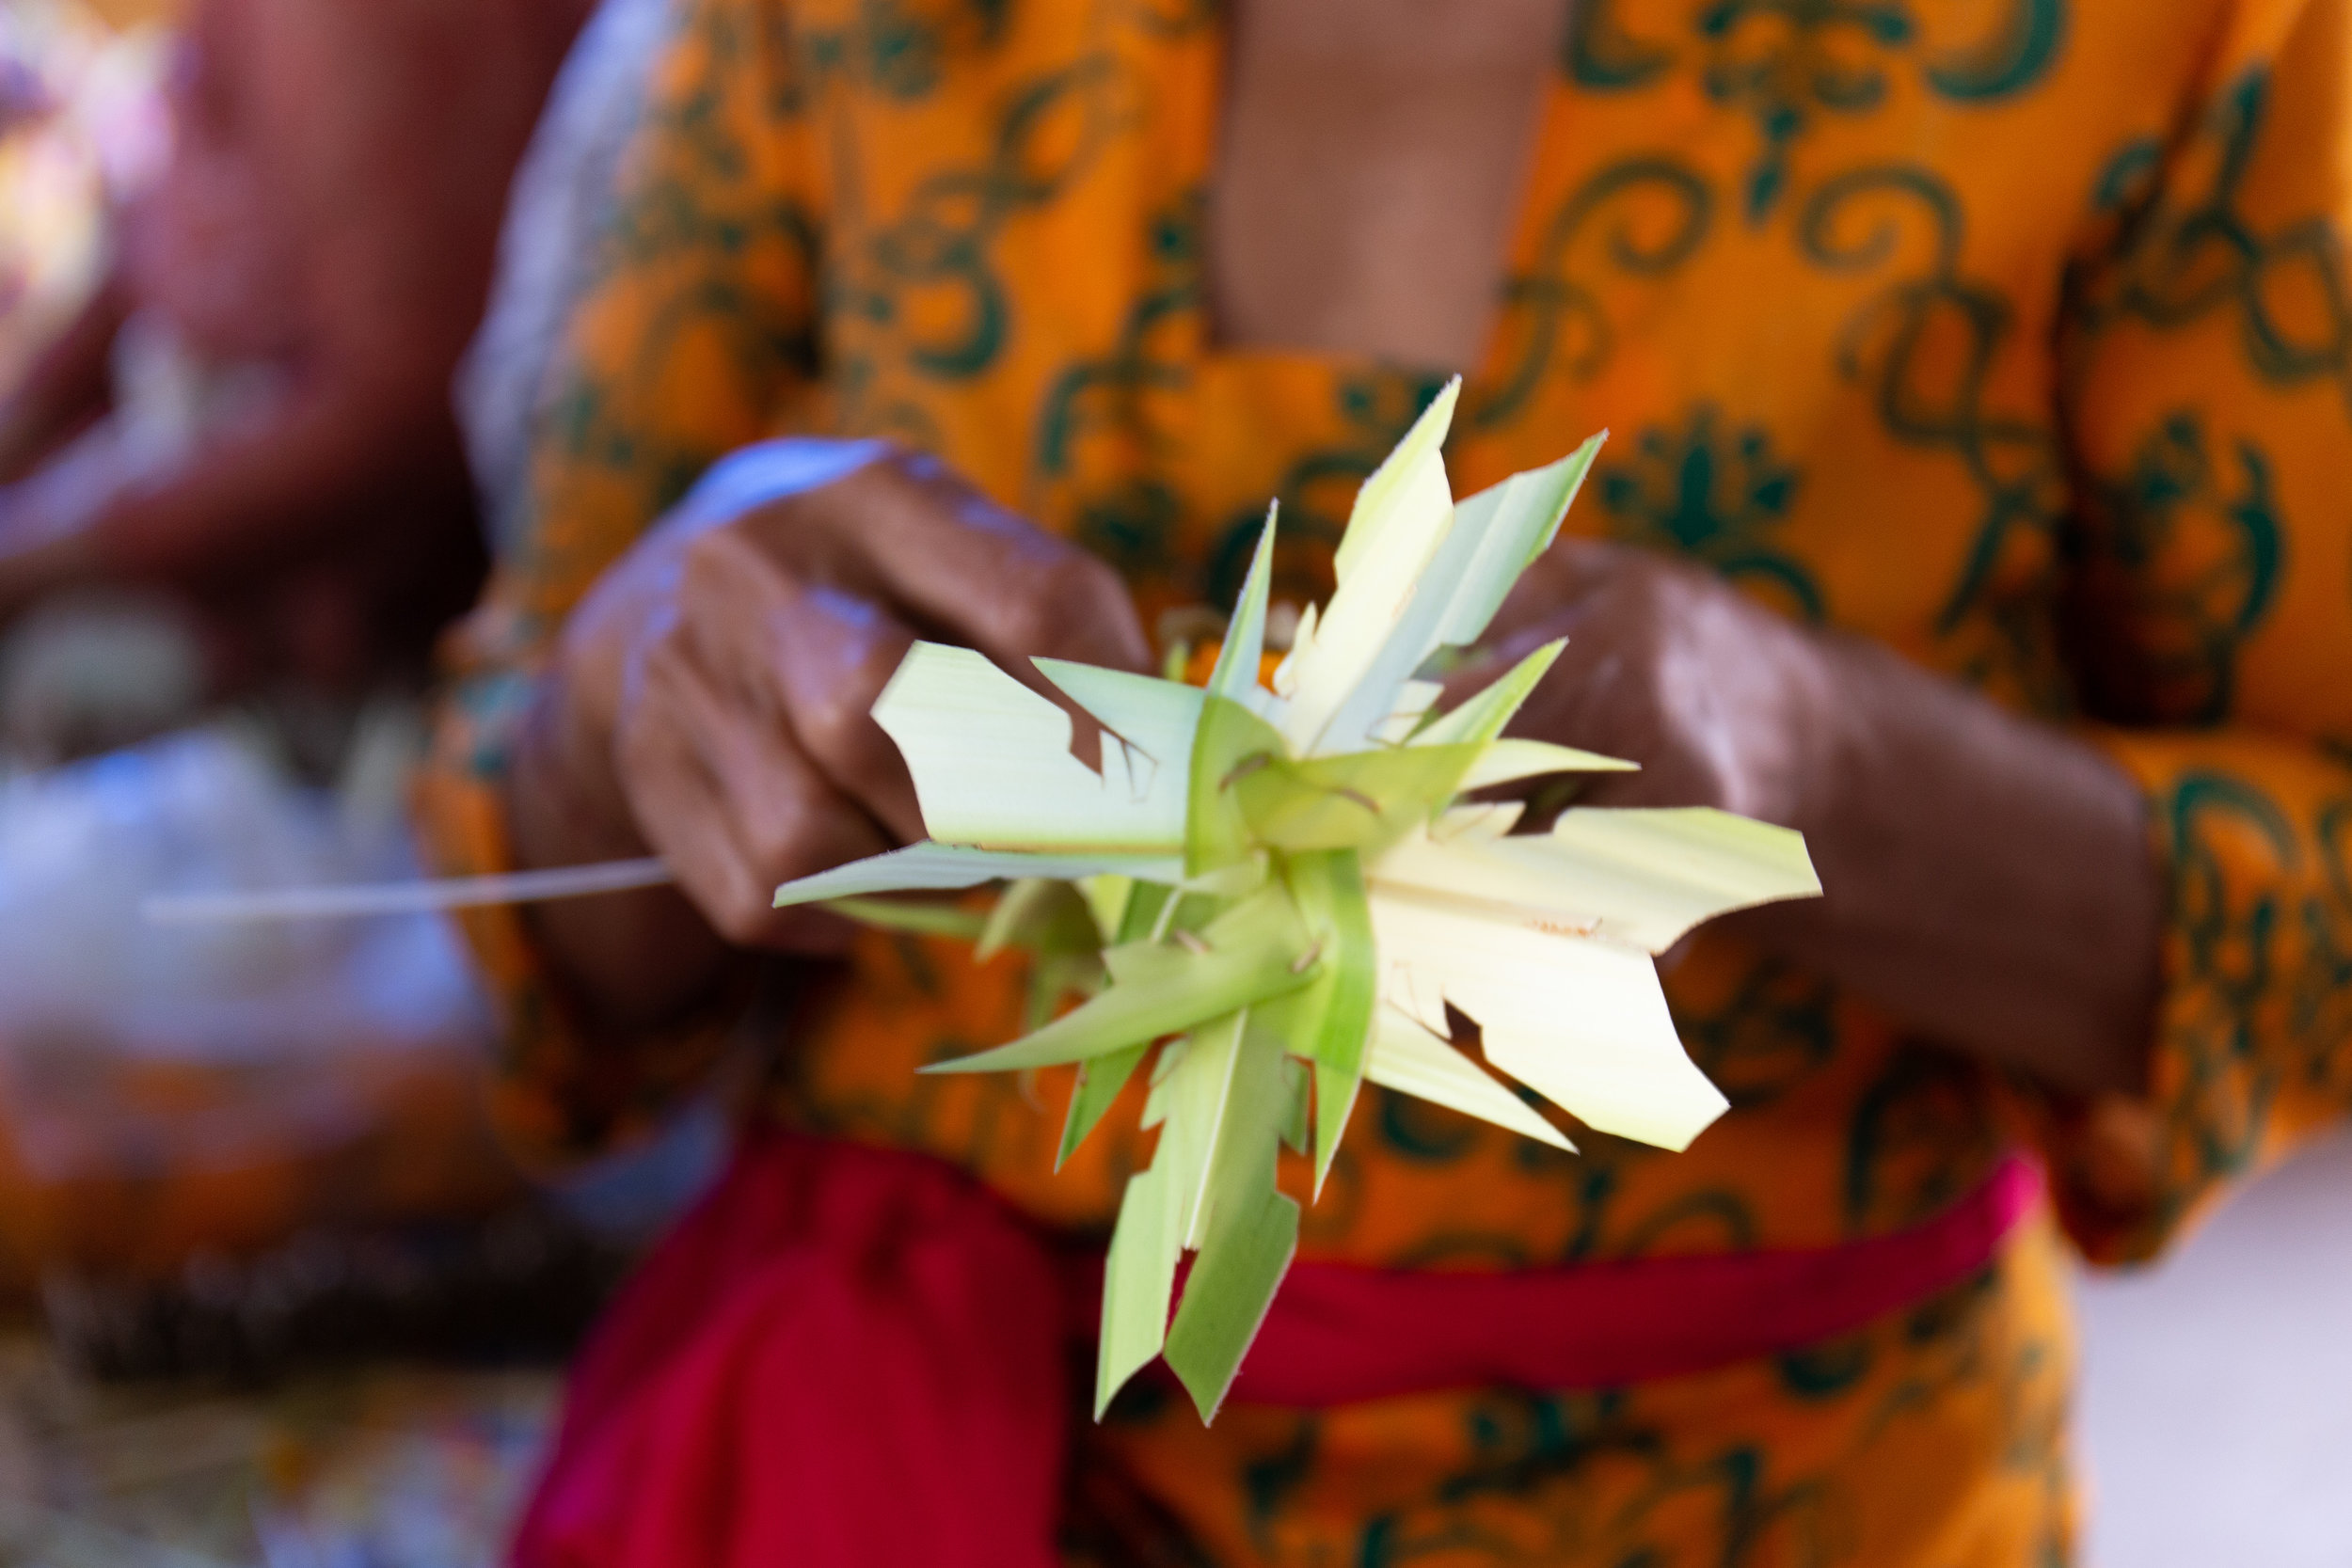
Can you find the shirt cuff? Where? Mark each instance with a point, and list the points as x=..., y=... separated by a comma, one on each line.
x=2251, y=1050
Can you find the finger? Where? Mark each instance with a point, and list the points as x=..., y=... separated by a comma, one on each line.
x=1564, y=578
x=728, y=798
x=809, y=931
x=809, y=659
x=1576, y=620
x=1496, y=660
x=680, y=813
x=788, y=816
x=1592, y=697
x=1582, y=700
x=1674, y=958
x=907, y=533
x=835, y=652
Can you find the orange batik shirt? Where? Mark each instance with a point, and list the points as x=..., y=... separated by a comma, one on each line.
x=2013, y=333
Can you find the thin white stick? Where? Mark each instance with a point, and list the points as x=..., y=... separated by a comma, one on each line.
x=451, y=892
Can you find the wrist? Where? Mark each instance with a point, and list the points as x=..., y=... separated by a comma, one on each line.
x=1986, y=877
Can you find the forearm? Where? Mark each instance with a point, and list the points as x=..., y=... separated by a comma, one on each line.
x=1988, y=878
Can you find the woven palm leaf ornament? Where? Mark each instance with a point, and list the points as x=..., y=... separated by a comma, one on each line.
x=1281, y=892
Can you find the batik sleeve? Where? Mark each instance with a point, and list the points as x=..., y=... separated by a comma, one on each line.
x=2209, y=399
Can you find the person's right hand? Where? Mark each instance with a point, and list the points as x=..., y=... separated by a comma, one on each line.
x=711, y=698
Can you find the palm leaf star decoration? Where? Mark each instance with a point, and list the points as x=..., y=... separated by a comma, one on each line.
x=1285, y=895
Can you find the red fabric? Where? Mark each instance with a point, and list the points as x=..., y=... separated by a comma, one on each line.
x=851, y=1358
x=1338, y=1334
x=843, y=1358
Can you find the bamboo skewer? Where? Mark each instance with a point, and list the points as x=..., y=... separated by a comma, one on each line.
x=356, y=901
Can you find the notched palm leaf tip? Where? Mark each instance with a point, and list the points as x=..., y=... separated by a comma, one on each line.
x=1284, y=894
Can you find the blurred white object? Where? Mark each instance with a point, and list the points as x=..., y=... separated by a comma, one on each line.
x=2217, y=1403
x=359, y=900
x=205, y=811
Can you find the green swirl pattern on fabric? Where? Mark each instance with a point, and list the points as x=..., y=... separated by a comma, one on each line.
x=1787, y=63
x=1717, y=497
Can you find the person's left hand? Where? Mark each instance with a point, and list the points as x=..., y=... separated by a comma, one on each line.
x=1986, y=876
x=1722, y=701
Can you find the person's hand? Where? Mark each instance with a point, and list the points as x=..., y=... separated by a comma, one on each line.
x=1722, y=701
x=1986, y=877
x=711, y=699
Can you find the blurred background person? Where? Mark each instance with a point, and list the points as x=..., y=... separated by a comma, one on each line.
x=252, y=409
x=243, y=243
x=234, y=468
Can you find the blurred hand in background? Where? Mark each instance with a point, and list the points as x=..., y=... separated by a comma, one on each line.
x=252, y=411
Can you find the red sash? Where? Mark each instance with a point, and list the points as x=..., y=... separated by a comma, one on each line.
x=850, y=1357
